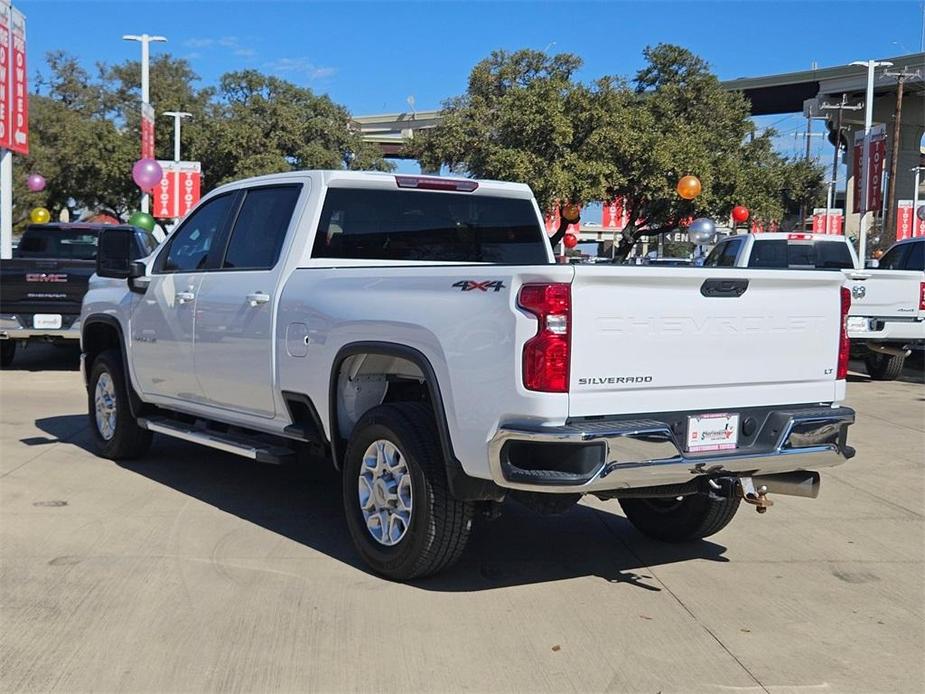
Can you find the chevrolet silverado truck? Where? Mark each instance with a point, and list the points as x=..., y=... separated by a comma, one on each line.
x=42, y=286
x=887, y=316
x=418, y=331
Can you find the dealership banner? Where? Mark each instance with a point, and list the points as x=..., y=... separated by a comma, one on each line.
x=179, y=189
x=908, y=225
x=5, y=130
x=614, y=215
x=147, y=131
x=18, y=95
x=836, y=221
x=876, y=148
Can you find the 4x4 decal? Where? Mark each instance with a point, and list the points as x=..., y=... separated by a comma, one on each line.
x=469, y=285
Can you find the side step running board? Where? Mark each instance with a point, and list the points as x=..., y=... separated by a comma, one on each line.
x=239, y=444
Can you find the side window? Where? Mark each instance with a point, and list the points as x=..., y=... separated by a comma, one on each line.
x=260, y=228
x=190, y=245
x=915, y=258
x=893, y=258
x=146, y=245
x=712, y=260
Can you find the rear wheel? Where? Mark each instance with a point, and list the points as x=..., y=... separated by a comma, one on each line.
x=885, y=367
x=7, y=352
x=115, y=430
x=680, y=519
x=402, y=518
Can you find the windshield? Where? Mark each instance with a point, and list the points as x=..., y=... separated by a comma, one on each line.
x=57, y=242
x=429, y=226
x=817, y=255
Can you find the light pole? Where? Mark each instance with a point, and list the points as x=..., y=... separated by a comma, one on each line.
x=178, y=117
x=915, y=196
x=871, y=66
x=145, y=40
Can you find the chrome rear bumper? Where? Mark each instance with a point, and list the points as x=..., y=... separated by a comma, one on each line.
x=622, y=453
x=11, y=328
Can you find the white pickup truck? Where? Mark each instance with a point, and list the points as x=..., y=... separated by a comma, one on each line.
x=418, y=331
x=887, y=314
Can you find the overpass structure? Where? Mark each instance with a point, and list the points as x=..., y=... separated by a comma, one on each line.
x=793, y=92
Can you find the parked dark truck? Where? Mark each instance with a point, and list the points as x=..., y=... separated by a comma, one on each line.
x=42, y=287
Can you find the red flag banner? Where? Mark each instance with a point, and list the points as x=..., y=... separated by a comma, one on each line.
x=5, y=129
x=147, y=131
x=18, y=86
x=877, y=155
x=179, y=189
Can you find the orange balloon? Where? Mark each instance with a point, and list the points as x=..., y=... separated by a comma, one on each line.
x=571, y=212
x=689, y=187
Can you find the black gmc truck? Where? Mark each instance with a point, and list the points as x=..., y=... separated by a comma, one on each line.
x=42, y=287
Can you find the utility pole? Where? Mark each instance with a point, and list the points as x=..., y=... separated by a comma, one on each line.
x=178, y=117
x=840, y=108
x=871, y=66
x=889, y=221
x=145, y=40
x=809, y=135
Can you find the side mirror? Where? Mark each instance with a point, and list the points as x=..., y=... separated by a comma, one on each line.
x=115, y=253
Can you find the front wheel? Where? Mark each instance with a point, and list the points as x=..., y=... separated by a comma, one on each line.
x=884, y=367
x=115, y=430
x=401, y=516
x=680, y=519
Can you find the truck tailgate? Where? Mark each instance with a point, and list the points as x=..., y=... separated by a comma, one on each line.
x=648, y=339
x=885, y=293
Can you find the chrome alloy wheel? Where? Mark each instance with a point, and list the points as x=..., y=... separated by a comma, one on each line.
x=104, y=399
x=384, y=488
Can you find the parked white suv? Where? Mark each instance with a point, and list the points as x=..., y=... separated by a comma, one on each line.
x=887, y=315
x=418, y=331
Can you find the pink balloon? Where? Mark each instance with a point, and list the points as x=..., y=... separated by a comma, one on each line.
x=147, y=173
x=35, y=183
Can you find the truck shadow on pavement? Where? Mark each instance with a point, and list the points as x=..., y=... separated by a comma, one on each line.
x=304, y=504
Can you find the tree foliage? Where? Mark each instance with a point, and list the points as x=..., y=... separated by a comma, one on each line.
x=524, y=117
x=85, y=131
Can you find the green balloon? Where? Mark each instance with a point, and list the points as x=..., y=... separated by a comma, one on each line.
x=142, y=220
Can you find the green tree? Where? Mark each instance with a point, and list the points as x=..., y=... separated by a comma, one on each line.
x=259, y=124
x=85, y=131
x=522, y=118
x=525, y=118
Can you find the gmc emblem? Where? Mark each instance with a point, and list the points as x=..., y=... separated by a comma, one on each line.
x=43, y=277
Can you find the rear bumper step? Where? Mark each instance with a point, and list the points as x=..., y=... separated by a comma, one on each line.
x=618, y=454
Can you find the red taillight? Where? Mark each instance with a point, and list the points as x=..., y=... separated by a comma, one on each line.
x=461, y=185
x=799, y=237
x=922, y=296
x=547, y=354
x=843, y=343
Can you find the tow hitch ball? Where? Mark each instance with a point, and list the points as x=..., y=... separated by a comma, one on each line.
x=755, y=496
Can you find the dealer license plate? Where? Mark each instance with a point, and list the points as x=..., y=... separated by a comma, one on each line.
x=46, y=321
x=712, y=432
x=858, y=324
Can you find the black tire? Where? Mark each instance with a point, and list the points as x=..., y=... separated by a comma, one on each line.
x=671, y=520
x=439, y=523
x=884, y=367
x=7, y=352
x=128, y=440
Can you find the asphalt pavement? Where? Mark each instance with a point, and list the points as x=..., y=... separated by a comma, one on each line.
x=193, y=570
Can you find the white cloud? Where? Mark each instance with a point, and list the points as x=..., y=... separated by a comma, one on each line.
x=300, y=66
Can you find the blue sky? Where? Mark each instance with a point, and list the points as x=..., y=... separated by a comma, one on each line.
x=371, y=56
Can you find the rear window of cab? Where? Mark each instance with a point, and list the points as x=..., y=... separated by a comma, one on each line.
x=403, y=225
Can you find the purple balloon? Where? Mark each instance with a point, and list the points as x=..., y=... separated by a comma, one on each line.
x=920, y=213
x=147, y=173
x=35, y=183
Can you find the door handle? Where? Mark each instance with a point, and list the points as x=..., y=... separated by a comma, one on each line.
x=184, y=297
x=256, y=298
